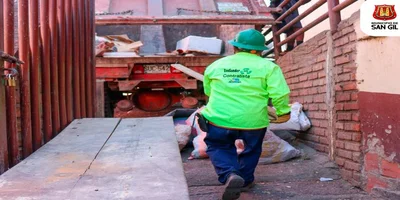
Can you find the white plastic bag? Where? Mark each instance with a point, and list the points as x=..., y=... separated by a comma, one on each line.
x=275, y=150
x=298, y=120
x=182, y=135
x=200, y=147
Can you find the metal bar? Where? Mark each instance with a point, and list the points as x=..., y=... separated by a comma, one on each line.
x=92, y=56
x=23, y=45
x=82, y=56
x=1, y=26
x=55, y=103
x=304, y=29
x=334, y=17
x=276, y=39
x=61, y=63
x=35, y=72
x=45, y=62
x=291, y=9
x=88, y=69
x=76, y=71
x=189, y=19
x=301, y=16
x=3, y=116
x=284, y=3
x=69, y=62
x=343, y=5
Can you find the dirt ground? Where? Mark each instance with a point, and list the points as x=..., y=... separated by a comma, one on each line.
x=295, y=179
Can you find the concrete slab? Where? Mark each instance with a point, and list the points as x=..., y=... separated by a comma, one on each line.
x=141, y=160
x=55, y=168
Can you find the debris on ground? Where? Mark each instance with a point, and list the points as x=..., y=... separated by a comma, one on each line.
x=117, y=46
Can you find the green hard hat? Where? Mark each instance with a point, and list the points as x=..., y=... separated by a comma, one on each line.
x=249, y=39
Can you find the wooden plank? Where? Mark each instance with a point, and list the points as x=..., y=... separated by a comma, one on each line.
x=53, y=170
x=141, y=160
x=189, y=71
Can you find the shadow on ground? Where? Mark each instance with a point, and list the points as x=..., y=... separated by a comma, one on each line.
x=295, y=179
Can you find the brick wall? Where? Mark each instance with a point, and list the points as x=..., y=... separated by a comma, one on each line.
x=331, y=102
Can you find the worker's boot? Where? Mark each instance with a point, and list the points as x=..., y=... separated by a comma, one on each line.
x=248, y=187
x=233, y=187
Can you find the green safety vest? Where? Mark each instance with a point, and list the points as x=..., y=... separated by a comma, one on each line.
x=239, y=87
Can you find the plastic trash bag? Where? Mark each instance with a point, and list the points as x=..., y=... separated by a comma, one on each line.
x=200, y=147
x=183, y=135
x=298, y=120
x=275, y=150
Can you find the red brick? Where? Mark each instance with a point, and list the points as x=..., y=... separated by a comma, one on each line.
x=344, y=116
x=295, y=80
x=344, y=135
x=342, y=60
x=337, y=52
x=323, y=140
x=343, y=78
x=340, y=125
x=354, y=96
x=356, y=137
x=307, y=69
x=303, y=92
x=313, y=76
x=350, y=106
x=321, y=74
x=337, y=35
x=294, y=93
x=313, y=90
x=308, y=99
x=346, y=174
x=352, y=165
x=355, y=117
x=313, y=138
x=340, y=161
x=339, y=144
x=322, y=89
x=353, y=146
x=353, y=37
x=349, y=86
x=317, y=67
x=390, y=169
x=320, y=58
x=323, y=124
x=318, y=82
x=352, y=126
x=319, y=98
x=322, y=42
x=338, y=87
x=374, y=181
x=307, y=84
x=323, y=107
x=345, y=154
x=303, y=77
x=357, y=157
x=341, y=41
x=357, y=176
x=318, y=131
x=312, y=107
x=316, y=51
x=343, y=97
x=347, y=30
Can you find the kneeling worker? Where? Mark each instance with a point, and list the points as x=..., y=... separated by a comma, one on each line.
x=239, y=88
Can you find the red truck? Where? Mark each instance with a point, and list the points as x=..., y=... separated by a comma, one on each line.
x=148, y=85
